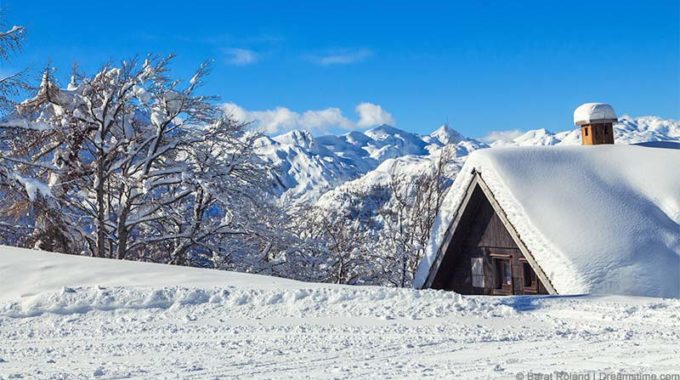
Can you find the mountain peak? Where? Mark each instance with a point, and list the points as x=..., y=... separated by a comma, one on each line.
x=384, y=129
x=296, y=137
x=447, y=135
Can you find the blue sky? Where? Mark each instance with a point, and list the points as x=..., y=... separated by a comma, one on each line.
x=483, y=65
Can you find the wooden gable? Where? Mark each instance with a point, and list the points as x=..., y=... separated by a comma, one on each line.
x=482, y=254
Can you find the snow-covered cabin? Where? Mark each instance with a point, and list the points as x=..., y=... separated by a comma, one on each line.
x=560, y=220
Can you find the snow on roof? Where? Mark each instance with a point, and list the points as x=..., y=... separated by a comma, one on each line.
x=601, y=219
x=592, y=112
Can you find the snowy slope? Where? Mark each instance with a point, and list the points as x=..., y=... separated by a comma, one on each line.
x=79, y=317
x=401, y=167
x=303, y=169
x=46, y=271
x=597, y=219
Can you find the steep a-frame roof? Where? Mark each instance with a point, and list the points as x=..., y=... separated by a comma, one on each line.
x=594, y=219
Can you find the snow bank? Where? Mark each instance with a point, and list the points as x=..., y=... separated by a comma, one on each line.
x=601, y=219
x=36, y=283
x=315, y=301
x=80, y=317
x=25, y=273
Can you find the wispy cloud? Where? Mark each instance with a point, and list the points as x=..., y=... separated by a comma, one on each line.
x=282, y=119
x=238, y=50
x=240, y=57
x=504, y=136
x=340, y=56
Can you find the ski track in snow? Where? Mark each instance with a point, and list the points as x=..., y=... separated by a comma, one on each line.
x=328, y=332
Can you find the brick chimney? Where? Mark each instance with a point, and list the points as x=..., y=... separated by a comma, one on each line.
x=597, y=123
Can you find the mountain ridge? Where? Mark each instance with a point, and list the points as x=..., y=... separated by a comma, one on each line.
x=304, y=167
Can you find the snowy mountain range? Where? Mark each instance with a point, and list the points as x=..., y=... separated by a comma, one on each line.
x=306, y=167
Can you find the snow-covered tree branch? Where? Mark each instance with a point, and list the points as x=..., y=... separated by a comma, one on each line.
x=135, y=165
x=10, y=84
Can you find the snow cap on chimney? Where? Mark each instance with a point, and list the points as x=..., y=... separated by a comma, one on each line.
x=594, y=113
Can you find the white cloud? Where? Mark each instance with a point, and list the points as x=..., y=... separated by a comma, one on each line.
x=235, y=112
x=282, y=119
x=322, y=119
x=341, y=57
x=268, y=121
x=241, y=57
x=505, y=136
x=372, y=114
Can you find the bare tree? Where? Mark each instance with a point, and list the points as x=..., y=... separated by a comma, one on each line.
x=340, y=241
x=133, y=164
x=377, y=234
x=408, y=219
x=10, y=40
x=10, y=84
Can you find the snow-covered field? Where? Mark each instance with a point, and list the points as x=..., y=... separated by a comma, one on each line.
x=76, y=317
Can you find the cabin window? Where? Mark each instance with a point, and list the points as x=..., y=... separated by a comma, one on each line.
x=477, y=272
x=529, y=275
x=586, y=131
x=529, y=279
x=503, y=273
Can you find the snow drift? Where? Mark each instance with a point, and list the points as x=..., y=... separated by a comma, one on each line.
x=26, y=273
x=600, y=219
x=80, y=317
x=36, y=283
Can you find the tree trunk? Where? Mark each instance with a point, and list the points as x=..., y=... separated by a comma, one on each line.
x=122, y=241
x=101, y=216
x=179, y=255
x=123, y=230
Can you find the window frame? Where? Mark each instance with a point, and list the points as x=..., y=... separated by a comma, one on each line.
x=533, y=284
x=501, y=263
